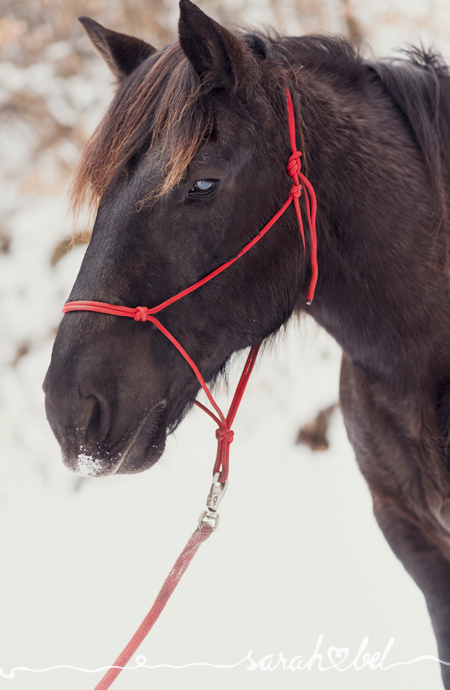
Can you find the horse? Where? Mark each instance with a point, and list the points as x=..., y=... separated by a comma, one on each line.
x=188, y=164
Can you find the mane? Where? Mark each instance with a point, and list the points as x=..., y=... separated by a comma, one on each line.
x=419, y=84
x=160, y=101
x=336, y=56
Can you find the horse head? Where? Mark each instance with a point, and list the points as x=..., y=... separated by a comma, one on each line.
x=187, y=166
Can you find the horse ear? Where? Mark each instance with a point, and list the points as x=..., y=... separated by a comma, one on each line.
x=215, y=53
x=122, y=53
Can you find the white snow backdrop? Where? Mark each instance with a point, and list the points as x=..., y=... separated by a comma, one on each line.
x=298, y=553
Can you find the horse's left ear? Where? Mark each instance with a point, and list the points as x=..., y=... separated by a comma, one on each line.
x=215, y=53
x=122, y=53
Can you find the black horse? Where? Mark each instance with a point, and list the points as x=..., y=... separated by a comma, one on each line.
x=186, y=167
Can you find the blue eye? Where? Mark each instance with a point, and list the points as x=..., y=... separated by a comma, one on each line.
x=202, y=187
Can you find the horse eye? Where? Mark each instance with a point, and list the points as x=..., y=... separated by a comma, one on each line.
x=202, y=187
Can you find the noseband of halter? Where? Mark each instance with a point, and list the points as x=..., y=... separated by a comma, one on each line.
x=224, y=434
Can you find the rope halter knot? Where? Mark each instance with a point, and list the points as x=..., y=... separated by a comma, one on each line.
x=224, y=434
x=294, y=164
x=296, y=190
x=141, y=314
x=293, y=170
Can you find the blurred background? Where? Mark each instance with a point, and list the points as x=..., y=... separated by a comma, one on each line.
x=77, y=549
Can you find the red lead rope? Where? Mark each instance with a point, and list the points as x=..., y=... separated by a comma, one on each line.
x=200, y=535
x=224, y=433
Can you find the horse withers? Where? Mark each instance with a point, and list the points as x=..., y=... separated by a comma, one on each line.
x=187, y=166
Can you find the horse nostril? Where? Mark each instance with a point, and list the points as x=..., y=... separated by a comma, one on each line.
x=94, y=421
x=98, y=418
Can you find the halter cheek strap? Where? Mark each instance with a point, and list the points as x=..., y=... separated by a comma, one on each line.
x=224, y=433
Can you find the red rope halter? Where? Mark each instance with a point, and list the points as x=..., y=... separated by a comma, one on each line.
x=224, y=433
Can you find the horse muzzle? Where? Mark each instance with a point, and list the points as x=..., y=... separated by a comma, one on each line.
x=96, y=438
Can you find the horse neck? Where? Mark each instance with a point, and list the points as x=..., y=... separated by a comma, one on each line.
x=383, y=279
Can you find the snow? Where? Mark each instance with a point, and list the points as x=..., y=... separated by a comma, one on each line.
x=298, y=563
x=88, y=466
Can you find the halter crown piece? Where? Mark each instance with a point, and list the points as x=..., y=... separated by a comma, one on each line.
x=224, y=433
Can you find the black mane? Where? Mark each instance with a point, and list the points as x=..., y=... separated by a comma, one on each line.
x=419, y=85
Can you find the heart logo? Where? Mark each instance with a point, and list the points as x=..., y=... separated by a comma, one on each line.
x=337, y=655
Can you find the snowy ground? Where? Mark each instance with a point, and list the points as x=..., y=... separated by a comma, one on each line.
x=298, y=554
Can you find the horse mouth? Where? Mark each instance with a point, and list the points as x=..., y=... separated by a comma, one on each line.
x=138, y=452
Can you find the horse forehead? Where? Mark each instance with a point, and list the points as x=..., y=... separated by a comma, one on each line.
x=214, y=153
x=224, y=151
